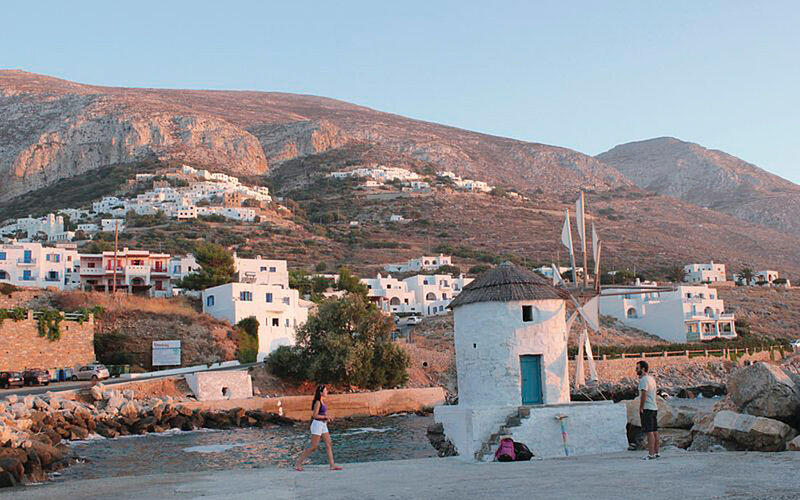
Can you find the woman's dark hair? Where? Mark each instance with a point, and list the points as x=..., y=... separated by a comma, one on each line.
x=317, y=395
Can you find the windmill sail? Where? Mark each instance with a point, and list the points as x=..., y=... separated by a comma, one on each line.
x=595, y=246
x=566, y=240
x=579, y=220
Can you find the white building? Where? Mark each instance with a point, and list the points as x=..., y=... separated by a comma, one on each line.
x=111, y=225
x=48, y=228
x=88, y=228
x=688, y=314
x=547, y=271
x=33, y=265
x=766, y=277
x=391, y=295
x=277, y=308
x=106, y=204
x=511, y=358
x=433, y=293
x=424, y=263
x=182, y=266
x=262, y=271
x=704, y=273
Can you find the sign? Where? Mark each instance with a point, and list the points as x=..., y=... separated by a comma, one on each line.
x=166, y=353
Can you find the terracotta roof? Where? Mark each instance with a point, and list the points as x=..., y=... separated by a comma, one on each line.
x=506, y=283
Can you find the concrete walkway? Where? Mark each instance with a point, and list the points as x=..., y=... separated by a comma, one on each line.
x=677, y=475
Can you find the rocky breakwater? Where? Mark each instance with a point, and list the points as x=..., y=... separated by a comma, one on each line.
x=34, y=430
x=760, y=413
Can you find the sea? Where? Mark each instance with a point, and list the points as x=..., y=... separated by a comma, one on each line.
x=358, y=439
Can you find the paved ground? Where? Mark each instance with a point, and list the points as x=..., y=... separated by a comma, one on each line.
x=678, y=475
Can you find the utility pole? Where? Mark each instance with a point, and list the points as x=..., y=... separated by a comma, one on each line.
x=116, y=249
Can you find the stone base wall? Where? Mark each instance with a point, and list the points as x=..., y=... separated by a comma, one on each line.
x=614, y=370
x=21, y=346
x=220, y=385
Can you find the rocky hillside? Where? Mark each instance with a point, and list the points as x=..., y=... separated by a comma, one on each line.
x=711, y=179
x=52, y=129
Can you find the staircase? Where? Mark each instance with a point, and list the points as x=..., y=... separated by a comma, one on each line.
x=486, y=453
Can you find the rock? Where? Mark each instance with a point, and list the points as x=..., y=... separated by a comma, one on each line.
x=106, y=431
x=78, y=433
x=28, y=401
x=7, y=480
x=144, y=425
x=12, y=398
x=69, y=405
x=128, y=394
x=767, y=391
x=680, y=438
x=129, y=409
x=33, y=467
x=13, y=466
x=706, y=443
x=97, y=392
x=115, y=402
x=793, y=445
x=752, y=433
x=678, y=417
x=15, y=453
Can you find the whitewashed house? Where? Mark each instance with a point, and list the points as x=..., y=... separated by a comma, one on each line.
x=690, y=313
x=433, y=293
x=262, y=271
x=181, y=266
x=512, y=371
x=424, y=263
x=37, y=266
x=278, y=310
x=766, y=278
x=111, y=225
x=88, y=228
x=391, y=295
x=704, y=273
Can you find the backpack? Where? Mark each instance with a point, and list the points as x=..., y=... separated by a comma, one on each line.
x=505, y=451
x=522, y=452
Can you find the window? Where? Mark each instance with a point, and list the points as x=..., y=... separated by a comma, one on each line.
x=444, y=296
x=263, y=269
x=527, y=313
x=711, y=296
x=430, y=296
x=276, y=322
x=273, y=269
x=286, y=301
x=688, y=295
x=269, y=297
x=287, y=323
x=26, y=275
x=246, y=296
x=632, y=313
x=425, y=282
x=3, y=275
x=2, y=256
x=388, y=286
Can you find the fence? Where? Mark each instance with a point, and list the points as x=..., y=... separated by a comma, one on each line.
x=726, y=353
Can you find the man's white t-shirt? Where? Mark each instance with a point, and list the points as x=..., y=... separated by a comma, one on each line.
x=648, y=383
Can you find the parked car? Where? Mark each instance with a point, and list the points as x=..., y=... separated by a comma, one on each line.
x=795, y=344
x=11, y=379
x=91, y=372
x=34, y=376
x=408, y=320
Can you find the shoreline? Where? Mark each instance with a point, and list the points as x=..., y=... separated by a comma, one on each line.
x=610, y=476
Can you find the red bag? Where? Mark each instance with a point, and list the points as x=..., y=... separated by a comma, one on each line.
x=505, y=451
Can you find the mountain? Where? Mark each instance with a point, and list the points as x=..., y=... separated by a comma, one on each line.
x=711, y=179
x=51, y=129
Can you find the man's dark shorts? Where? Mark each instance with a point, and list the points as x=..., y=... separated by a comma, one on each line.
x=649, y=420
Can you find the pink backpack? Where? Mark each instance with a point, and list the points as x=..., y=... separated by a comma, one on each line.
x=505, y=451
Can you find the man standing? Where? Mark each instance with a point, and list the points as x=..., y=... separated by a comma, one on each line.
x=648, y=409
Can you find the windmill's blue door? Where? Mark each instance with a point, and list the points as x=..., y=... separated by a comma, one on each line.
x=531, y=371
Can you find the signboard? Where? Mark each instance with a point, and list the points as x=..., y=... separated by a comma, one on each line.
x=166, y=353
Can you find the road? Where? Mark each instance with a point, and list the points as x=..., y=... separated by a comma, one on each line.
x=69, y=386
x=678, y=474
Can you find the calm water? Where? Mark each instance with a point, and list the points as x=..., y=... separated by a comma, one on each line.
x=354, y=440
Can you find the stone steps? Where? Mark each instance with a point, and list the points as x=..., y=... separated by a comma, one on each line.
x=486, y=452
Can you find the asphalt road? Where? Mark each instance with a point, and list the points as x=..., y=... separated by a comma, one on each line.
x=69, y=386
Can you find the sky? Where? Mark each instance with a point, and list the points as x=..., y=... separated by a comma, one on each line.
x=583, y=75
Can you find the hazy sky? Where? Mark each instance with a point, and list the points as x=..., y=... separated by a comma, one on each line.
x=584, y=75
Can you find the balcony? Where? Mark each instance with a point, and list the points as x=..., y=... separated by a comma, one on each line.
x=52, y=279
x=159, y=270
x=134, y=270
x=93, y=271
x=26, y=262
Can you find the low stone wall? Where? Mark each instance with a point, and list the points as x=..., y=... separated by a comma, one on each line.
x=614, y=370
x=339, y=405
x=220, y=385
x=21, y=346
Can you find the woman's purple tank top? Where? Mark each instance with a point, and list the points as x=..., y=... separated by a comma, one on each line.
x=323, y=409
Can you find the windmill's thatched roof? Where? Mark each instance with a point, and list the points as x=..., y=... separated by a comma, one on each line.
x=506, y=283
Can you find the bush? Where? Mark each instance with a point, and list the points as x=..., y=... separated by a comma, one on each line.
x=247, y=337
x=479, y=269
x=348, y=342
x=110, y=349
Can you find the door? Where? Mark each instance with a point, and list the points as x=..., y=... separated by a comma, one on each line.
x=26, y=257
x=531, y=373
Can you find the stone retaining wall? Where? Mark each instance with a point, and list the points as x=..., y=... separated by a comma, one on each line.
x=339, y=405
x=614, y=370
x=21, y=346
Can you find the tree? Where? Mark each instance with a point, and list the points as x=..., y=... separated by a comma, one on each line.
x=247, y=336
x=350, y=282
x=216, y=268
x=676, y=274
x=747, y=274
x=321, y=267
x=478, y=269
x=348, y=341
x=448, y=269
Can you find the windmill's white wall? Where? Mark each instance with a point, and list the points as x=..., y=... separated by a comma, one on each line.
x=468, y=428
x=592, y=428
x=490, y=337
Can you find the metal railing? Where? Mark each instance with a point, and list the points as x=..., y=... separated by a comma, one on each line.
x=723, y=352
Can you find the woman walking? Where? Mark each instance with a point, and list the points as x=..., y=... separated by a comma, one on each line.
x=319, y=429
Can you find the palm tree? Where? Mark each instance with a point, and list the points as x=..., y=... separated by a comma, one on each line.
x=747, y=274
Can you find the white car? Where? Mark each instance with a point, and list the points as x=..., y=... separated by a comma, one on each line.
x=409, y=320
x=91, y=372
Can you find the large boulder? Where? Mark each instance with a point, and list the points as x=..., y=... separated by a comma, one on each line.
x=752, y=433
x=794, y=444
x=678, y=417
x=764, y=390
x=681, y=438
x=706, y=443
x=97, y=392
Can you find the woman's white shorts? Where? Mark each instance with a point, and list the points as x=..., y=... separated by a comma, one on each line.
x=318, y=427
